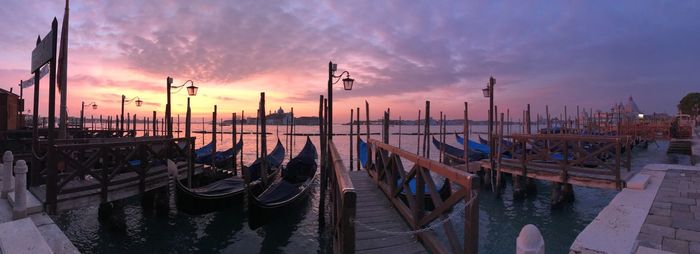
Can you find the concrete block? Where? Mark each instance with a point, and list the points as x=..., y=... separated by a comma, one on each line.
x=22, y=236
x=33, y=203
x=638, y=182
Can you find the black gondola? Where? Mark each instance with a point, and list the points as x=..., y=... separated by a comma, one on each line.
x=293, y=186
x=225, y=192
x=224, y=160
x=274, y=162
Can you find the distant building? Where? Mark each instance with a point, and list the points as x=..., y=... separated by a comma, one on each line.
x=629, y=109
x=10, y=108
x=279, y=117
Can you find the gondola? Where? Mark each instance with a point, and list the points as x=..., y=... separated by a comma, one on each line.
x=457, y=155
x=274, y=161
x=203, y=153
x=225, y=192
x=294, y=184
x=485, y=142
x=224, y=160
x=482, y=148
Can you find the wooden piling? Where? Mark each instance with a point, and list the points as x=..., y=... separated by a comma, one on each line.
x=357, y=141
x=234, y=141
x=263, y=140
x=322, y=141
x=400, y=134
x=257, y=133
x=465, y=134
x=188, y=128
x=418, y=134
x=352, y=113
x=213, y=136
x=426, y=137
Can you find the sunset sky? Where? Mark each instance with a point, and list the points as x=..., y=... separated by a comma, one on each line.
x=400, y=53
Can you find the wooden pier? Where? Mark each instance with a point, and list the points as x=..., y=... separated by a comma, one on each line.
x=592, y=161
x=75, y=173
x=375, y=211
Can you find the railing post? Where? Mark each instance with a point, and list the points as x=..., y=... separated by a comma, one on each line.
x=471, y=220
x=20, y=208
x=7, y=179
x=529, y=241
x=618, y=157
x=349, y=206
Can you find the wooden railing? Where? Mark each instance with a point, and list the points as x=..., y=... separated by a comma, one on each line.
x=568, y=155
x=343, y=198
x=386, y=168
x=113, y=163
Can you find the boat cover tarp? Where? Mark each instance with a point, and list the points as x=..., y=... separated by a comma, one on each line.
x=362, y=151
x=303, y=165
x=274, y=160
x=459, y=153
x=474, y=145
x=223, y=186
x=279, y=191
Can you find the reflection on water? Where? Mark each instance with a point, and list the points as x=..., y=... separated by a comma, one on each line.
x=297, y=230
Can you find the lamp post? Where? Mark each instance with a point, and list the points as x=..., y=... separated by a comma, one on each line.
x=82, y=109
x=488, y=93
x=347, y=85
x=191, y=91
x=124, y=100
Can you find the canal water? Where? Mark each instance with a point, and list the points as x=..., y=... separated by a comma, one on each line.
x=298, y=231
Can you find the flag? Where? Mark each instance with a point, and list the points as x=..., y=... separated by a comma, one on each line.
x=63, y=54
x=30, y=82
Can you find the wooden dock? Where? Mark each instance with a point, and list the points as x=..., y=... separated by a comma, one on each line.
x=375, y=210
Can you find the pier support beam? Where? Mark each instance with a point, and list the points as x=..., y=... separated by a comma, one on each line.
x=7, y=178
x=518, y=187
x=561, y=194
x=567, y=191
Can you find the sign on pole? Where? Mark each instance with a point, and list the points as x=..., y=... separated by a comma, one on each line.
x=43, y=53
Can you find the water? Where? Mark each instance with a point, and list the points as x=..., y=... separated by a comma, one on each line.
x=298, y=231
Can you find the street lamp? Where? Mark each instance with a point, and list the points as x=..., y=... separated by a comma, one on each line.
x=191, y=91
x=136, y=100
x=82, y=109
x=488, y=93
x=347, y=85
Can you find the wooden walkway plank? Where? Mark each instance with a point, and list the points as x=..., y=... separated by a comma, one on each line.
x=374, y=209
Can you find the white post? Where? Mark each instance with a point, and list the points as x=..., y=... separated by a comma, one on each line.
x=529, y=241
x=20, y=208
x=7, y=178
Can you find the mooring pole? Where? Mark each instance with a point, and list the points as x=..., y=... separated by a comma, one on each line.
x=322, y=141
x=418, y=134
x=352, y=113
x=213, y=136
x=357, y=141
x=465, y=134
x=234, y=142
x=190, y=144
